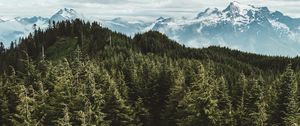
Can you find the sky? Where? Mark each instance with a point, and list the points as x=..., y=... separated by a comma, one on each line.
x=134, y=9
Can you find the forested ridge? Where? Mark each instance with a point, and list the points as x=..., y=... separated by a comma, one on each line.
x=79, y=73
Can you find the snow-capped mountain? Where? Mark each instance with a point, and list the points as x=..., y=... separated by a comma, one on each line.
x=13, y=29
x=18, y=27
x=66, y=14
x=243, y=27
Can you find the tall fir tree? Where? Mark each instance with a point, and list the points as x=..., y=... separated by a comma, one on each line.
x=115, y=108
x=142, y=115
x=287, y=108
x=66, y=119
x=256, y=104
x=224, y=104
x=26, y=108
x=241, y=91
x=4, y=109
x=199, y=105
x=170, y=113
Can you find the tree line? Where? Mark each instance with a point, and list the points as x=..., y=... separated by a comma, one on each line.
x=101, y=77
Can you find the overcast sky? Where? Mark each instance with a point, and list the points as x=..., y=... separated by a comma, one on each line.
x=141, y=9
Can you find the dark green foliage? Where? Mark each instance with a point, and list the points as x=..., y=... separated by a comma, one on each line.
x=176, y=94
x=93, y=76
x=224, y=104
x=118, y=112
x=198, y=104
x=287, y=105
x=142, y=114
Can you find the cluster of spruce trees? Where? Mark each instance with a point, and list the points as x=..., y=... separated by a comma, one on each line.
x=77, y=73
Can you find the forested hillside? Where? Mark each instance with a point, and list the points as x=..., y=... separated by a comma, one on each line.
x=79, y=73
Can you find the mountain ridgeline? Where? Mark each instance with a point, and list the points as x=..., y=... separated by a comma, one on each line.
x=244, y=27
x=79, y=73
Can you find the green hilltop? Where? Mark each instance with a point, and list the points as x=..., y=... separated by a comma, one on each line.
x=79, y=73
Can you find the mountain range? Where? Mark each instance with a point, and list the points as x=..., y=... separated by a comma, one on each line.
x=244, y=27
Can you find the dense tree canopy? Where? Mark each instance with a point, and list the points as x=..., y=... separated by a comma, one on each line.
x=88, y=75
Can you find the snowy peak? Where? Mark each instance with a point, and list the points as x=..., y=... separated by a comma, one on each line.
x=238, y=26
x=236, y=13
x=160, y=18
x=12, y=29
x=66, y=14
x=235, y=3
x=238, y=7
x=234, y=7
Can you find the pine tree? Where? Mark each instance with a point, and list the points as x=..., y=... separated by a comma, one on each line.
x=65, y=120
x=271, y=94
x=62, y=91
x=98, y=108
x=224, y=104
x=170, y=113
x=241, y=92
x=77, y=67
x=41, y=96
x=26, y=107
x=4, y=109
x=256, y=104
x=12, y=94
x=121, y=84
x=116, y=110
x=30, y=74
x=287, y=108
x=93, y=98
x=142, y=114
x=132, y=78
x=198, y=103
x=85, y=116
x=62, y=80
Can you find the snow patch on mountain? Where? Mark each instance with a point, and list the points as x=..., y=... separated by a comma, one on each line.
x=66, y=14
x=279, y=25
x=244, y=27
x=13, y=29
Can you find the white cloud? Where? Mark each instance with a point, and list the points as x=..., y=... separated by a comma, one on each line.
x=134, y=8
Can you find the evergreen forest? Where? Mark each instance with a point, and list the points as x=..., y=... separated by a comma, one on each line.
x=80, y=73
